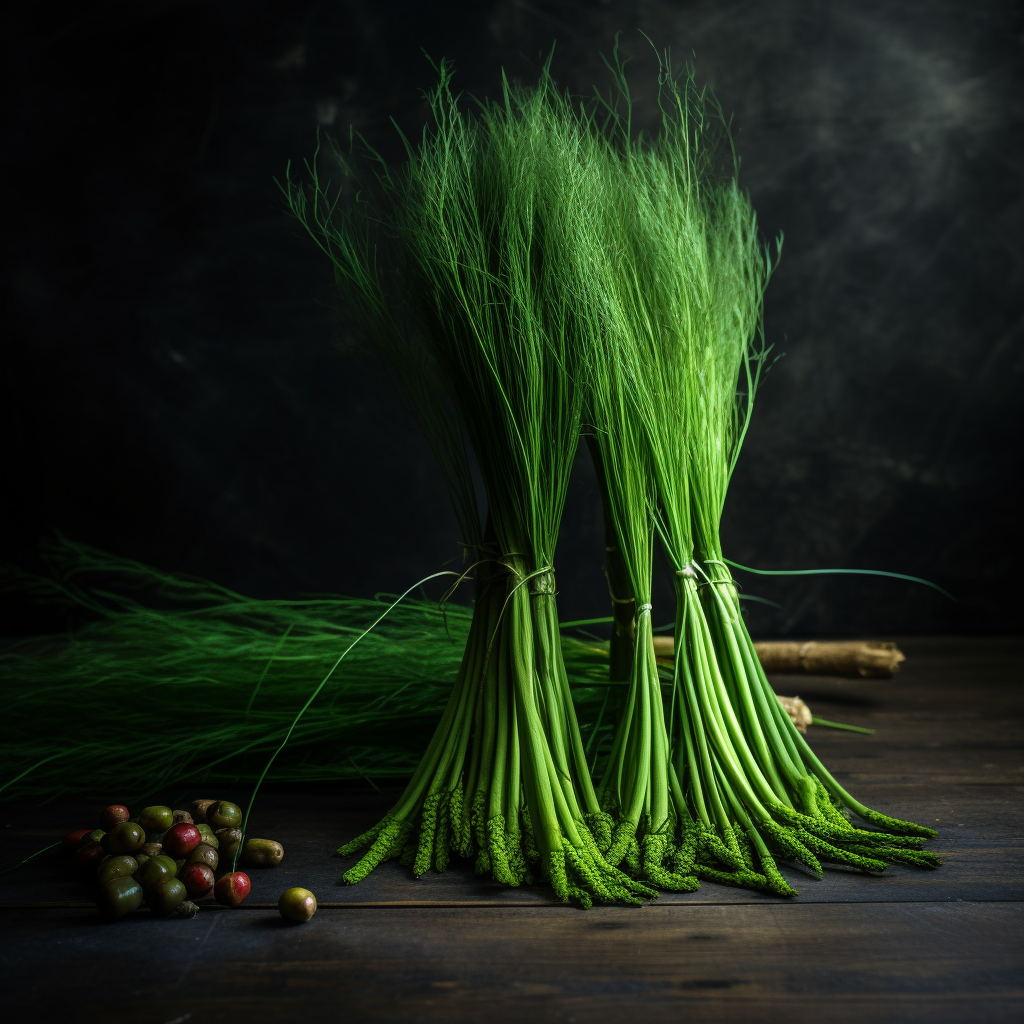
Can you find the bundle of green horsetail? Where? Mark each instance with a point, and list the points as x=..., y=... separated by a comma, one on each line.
x=474, y=216
x=678, y=351
x=636, y=784
x=177, y=681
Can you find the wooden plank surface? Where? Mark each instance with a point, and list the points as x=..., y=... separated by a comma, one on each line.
x=838, y=963
x=903, y=946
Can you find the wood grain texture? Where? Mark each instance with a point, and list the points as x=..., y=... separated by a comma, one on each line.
x=903, y=946
x=899, y=963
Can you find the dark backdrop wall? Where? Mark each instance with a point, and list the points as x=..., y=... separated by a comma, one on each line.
x=181, y=387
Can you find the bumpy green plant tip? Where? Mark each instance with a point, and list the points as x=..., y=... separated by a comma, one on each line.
x=581, y=876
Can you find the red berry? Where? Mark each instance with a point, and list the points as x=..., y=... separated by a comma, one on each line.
x=113, y=815
x=73, y=840
x=89, y=854
x=182, y=839
x=198, y=879
x=232, y=888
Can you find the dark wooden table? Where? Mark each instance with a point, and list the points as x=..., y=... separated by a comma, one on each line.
x=904, y=946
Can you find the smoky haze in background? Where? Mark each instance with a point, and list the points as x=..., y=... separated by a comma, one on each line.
x=181, y=386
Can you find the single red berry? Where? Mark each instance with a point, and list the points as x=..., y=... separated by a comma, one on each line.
x=89, y=854
x=73, y=840
x=113, y=815
x=182, y=839
x=232, y=888
x=198, y=879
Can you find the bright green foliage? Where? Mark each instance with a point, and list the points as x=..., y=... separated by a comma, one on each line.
x=178, y=681
x=636, y=786
x=475, y=215
x=680, y=292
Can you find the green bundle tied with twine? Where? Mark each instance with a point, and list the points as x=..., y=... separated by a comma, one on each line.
x=680, y=292
x=475, y=214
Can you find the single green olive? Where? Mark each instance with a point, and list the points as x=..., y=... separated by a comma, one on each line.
x=118, y=897
x=95, y=836
x=229, y=838
x=297, y=905
x=166, y=896
x=263, y=853
x=156, y=870
x=223, y=814
x=119, y=866
x=207, y=836
x=125, y=837
x=199, y=810
x=157, y=818
x=204, y=854
x=141, y=858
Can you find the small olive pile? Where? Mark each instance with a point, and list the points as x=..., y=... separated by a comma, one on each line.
x=168, y=859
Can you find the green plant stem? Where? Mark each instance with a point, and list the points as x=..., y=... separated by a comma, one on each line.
x=815, y=720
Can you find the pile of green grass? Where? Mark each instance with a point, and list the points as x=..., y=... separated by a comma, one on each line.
x=177, y=681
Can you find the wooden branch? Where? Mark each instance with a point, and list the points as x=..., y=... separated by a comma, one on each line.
x=872, y=659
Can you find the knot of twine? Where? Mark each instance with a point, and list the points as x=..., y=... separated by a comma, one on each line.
x=543, y=581
x=644, y=609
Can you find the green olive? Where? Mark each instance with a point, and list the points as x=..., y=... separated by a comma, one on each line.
x=95, y=836
x=126, y=837
x=157, y=818
x=118, y=866
x=229, y=838
x=166, y=896
x=156, y=870
x=297, y=905
x=223, y=814
x=204, y=854
x=118, y=897
x=207, y=836
x=141, y=858
x=264, y=853
x=151, y=849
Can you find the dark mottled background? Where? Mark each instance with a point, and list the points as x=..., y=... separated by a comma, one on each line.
x=179, y=385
